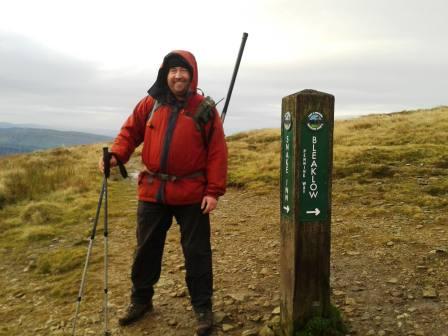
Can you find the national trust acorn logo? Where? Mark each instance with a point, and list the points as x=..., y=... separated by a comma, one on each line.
x=315, y=121
x=287, y=121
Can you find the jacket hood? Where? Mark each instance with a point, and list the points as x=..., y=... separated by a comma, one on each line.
x=160, y=88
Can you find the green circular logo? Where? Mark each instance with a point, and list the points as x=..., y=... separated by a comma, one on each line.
x=315, y=121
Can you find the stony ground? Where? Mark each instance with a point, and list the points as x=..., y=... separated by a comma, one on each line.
x=387, y=277
x=245, y=253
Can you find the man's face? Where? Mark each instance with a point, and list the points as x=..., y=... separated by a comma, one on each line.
x=178, y=81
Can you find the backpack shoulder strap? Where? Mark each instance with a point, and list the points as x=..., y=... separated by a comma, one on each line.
x=155, y=106
x=205, y=114
x=206, y=138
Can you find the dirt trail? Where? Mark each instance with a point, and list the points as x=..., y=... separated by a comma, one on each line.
x=383, y=285
x=245, y=257
x=388, y=277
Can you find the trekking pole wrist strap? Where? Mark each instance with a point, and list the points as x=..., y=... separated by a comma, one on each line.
x=121, y=166
x=106, y=162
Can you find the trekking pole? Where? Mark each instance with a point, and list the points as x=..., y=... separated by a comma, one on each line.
x=103, y=194
x=106, y=158
x=89, y=252
x=235, y=71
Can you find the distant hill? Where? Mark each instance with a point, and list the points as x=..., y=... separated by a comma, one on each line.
x=21, y=140
x=11, y=125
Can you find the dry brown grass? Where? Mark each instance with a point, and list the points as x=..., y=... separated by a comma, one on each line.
x=386, y=168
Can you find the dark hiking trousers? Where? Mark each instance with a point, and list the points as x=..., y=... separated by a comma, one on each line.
x=153, y=222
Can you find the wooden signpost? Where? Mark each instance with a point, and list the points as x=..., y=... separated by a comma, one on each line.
x=305, y=190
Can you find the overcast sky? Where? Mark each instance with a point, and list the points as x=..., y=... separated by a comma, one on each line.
x=83, y=65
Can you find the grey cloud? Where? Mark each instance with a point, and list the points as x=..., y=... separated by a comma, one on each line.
x=399, y=19
x=46, y=87
x=42, y=86
x=30, y=67
x=369, y=84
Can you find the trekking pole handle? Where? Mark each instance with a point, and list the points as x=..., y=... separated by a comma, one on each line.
x=235, y=71
x=106, y=160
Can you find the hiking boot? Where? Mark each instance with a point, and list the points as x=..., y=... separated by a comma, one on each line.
x=204, y=322
x=134, y=313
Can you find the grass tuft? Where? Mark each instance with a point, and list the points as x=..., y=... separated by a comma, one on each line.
x=29, y=177
x=60, y=261
x=320, y=326
x=37, y=233
x=37, y=213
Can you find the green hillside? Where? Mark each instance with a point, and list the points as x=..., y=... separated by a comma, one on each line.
x=19, y=140
x=390, y=206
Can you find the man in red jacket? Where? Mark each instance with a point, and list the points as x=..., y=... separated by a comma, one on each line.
x=185, y=158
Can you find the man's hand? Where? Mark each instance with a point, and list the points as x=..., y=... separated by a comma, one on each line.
x=208, y=204
x=113, y=163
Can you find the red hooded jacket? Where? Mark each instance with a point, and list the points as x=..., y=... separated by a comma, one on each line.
x=173, y=145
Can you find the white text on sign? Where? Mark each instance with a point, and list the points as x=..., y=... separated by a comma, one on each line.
x=313, y=169
x=313, y=186
x=286, y=195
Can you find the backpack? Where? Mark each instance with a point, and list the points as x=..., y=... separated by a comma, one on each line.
x=201, y=117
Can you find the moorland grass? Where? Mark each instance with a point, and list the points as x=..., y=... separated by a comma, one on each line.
x=381, y=164
x=366, y=149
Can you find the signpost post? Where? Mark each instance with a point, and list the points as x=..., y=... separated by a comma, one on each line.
x=305, y=189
